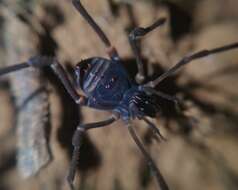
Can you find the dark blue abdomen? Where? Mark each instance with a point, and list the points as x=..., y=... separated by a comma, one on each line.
x=104, y=82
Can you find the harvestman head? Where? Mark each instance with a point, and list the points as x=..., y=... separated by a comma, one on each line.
x=107, y=86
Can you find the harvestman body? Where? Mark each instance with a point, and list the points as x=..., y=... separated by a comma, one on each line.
x=106, y=86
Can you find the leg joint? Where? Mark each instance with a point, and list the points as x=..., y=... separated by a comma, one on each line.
x=76, y=141
x=40, y=61
x=137, y=33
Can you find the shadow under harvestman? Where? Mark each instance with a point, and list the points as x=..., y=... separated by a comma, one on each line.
x=107, y=86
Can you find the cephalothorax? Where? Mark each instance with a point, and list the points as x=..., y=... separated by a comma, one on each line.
x=106, y=86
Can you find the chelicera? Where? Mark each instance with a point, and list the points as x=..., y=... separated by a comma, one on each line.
x=107, y=86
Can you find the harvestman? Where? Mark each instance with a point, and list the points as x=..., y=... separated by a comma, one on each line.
x=106, y=86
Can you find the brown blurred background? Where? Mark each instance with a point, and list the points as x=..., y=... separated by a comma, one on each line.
x=201, y=148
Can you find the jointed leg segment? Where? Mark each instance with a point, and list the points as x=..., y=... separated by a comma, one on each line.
x=155, y=130
x=187, y=60
x=134, y=36
x=110, y=49
x=161, y=182
x=150, y=91
x=76, y=141
x=13, y=68
x=42, y=61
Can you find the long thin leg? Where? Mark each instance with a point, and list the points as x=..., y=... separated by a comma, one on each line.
x=134, y=36
x=161, y=182
x=13, y=68
x=41, y=61
x=76, y=141
x=154, y=128
x=188, y=59
x=110, y=49
x=161, y=94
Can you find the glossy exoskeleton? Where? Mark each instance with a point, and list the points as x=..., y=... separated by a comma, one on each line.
x=106, y=86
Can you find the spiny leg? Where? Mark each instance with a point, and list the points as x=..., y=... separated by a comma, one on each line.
x=161, y=182
x=134, y=36
x=155, y=130
x=42, y=61
x=110, y=49
x=170, y=98
x=162, y=95
x=188, y=59
x=76, y=141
